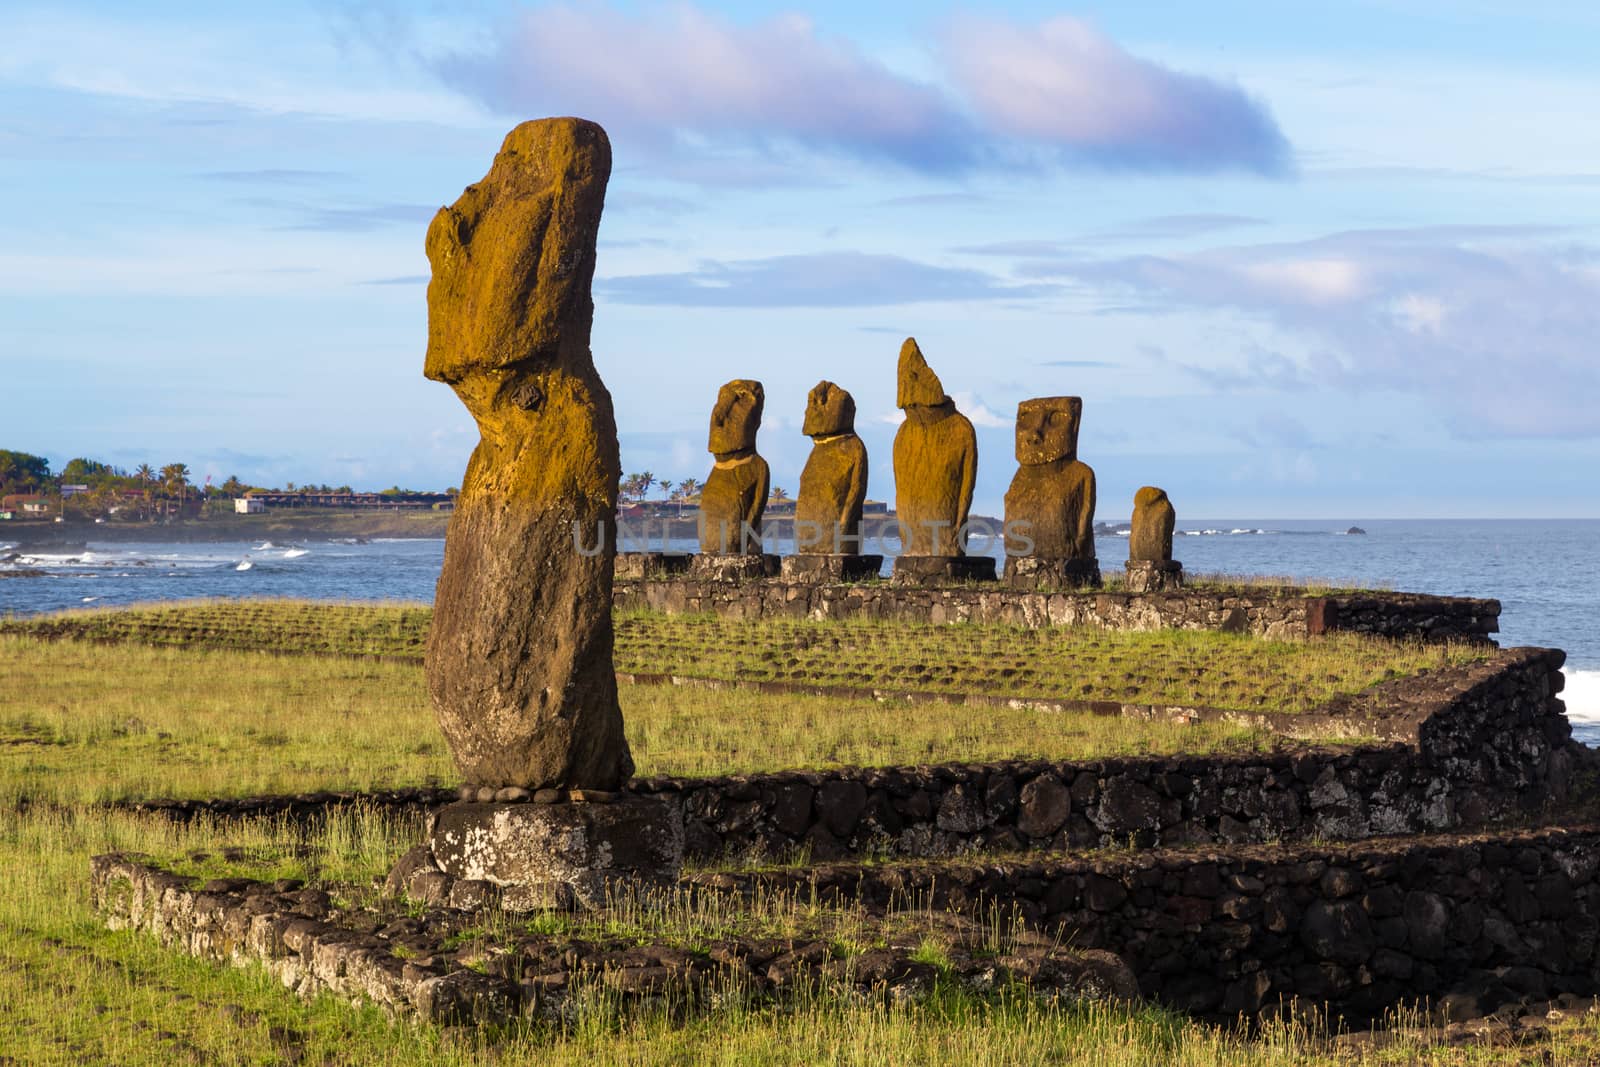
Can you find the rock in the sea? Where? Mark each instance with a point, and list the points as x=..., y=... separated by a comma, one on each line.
x=935, y=462
x=735, y=492
x=519, y=661
x=833, y=486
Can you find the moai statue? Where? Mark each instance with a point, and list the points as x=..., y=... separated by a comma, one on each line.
x=1050, y=505
x=735, y=492
x=1151, y=568
x=519, y=660
x=833, y=487
x=935, y=468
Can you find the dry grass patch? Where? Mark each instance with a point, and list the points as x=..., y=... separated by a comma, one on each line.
x=1163, y=667
x=83, y=722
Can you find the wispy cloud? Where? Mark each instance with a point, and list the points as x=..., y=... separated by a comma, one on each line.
x=273, y=176
x=1077, y=363
x=825, y=279
x=1487, y=323
x=362, y=219
x=1008, y=95
x=1063, y=85
x=399, y=279
x=683, y=69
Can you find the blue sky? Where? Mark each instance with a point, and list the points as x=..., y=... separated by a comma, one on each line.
x=1338, y=261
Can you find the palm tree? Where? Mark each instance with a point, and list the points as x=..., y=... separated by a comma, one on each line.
x=778, y=493
x=175, y=479
x=145, y=473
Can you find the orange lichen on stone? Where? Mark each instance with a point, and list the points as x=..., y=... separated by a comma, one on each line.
x=1051, y=499
x=519, y=660
x=833, y=485
x=935, y=462
x=1153, y=522
x=735, y=492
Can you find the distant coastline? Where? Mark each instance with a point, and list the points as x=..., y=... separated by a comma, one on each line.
x=288, y=524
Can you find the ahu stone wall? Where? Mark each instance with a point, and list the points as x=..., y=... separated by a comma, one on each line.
x=1466, y=745
x=1273, y=613
x=1486, y=920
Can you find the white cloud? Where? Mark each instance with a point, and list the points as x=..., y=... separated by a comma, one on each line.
x=1005, y=94
x=1320, y=281
x=1064, y=83
x=1420, y=314
x=972, y=406
x=1495, y=328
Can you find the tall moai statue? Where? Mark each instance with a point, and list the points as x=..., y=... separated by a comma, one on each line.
x=1050, y=504
x=935, y=469
x=735, y=492
x=833, y=488
x=1151, y=568
x=519, y=659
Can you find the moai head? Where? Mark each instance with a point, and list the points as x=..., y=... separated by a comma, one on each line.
x=918, y=385
x=500, y=310
x=736, y=417
x=829, y=410
x=1148, y=497
x=1047, y=429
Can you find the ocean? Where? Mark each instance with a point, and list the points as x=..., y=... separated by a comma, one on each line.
x=1545, y=573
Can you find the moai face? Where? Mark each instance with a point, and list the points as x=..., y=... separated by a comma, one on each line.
x=736, y=417
x=829, y=411
x=496, y=309
x=917, y=384
x=1047, y=429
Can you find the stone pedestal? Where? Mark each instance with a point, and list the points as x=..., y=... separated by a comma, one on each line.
x=831, y=568
x=734, y=568
x=1036, y=573
x=939, y=570
x=560, y=855
x=652, y=564
x=1154, y=576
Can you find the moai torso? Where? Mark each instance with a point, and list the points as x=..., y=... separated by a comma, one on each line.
x=735, y=492
x=1153, y=521
x=1052, y=497
x=833, y=486
x=935, y=462
x=519, y=661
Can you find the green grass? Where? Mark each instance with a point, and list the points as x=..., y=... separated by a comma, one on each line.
x=82, y=722
x=1204, y=668
x=1185, y=667
x=72, y=992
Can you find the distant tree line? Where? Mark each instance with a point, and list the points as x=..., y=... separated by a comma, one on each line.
x=635, y=489
x=145, y=492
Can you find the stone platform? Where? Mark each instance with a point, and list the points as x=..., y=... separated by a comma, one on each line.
x=1154, y=576
x=1048, y=575
x=734, y=568
x=560, y=855
x=652, y=564
x=831, y=567
x=937, y=570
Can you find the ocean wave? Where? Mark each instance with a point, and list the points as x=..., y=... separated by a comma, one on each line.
x=1582, y=696
x=295, y=553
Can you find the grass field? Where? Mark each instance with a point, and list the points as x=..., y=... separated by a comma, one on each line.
x=81, y=721
x=1163, y=667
